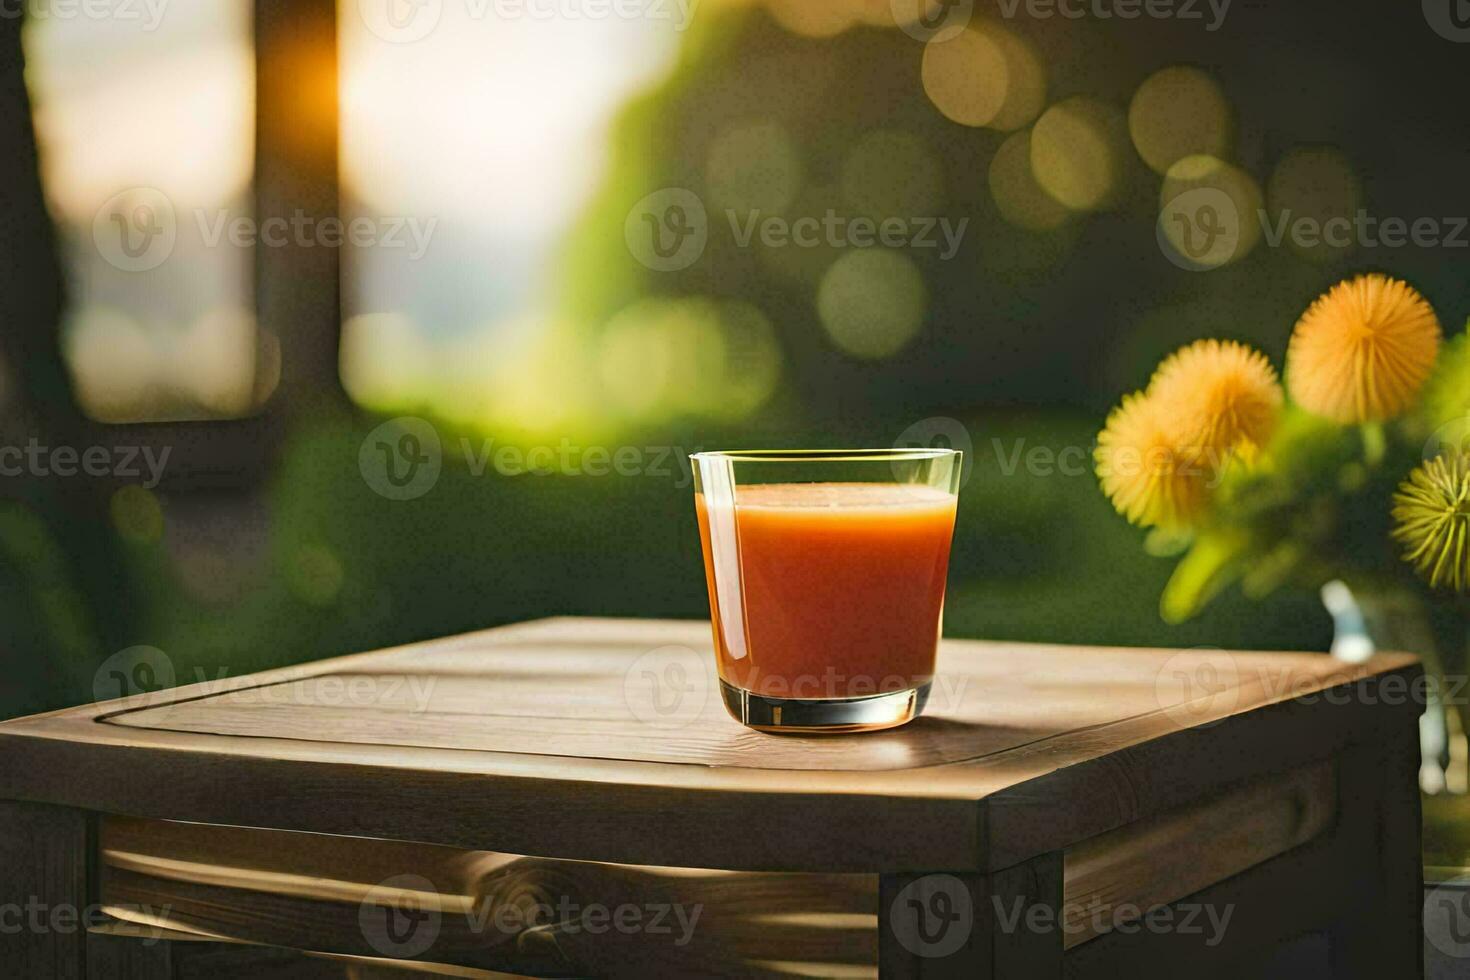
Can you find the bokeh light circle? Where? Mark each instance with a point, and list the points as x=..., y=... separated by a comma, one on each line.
x=1209, y=213
x=823, y=19
x=967, y=77
x=1076, y=152
x=383, y=360
x=1025, y=78
x=1178, y=112
x=1019, y=197
x=752, y=368
x=872, y=302
x=688, y=355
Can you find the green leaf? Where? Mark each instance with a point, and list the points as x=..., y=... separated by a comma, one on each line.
x=1272, y=570
x=1211, y=564
x=1166, y=543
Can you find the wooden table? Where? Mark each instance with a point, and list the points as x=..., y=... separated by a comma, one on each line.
x=1022, y=828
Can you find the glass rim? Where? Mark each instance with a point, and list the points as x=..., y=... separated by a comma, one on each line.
x=825, y=455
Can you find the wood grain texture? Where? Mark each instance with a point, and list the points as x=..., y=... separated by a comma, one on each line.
x=492, y=911
x=538, y=739
x=1162, y=860
x=600, y=699
x=1350, y=884
x=43, y=886
x=290, y=889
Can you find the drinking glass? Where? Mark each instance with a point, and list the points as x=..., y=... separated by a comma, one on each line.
x=826, y=573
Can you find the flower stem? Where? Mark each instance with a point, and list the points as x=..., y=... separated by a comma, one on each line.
x=1375, y=444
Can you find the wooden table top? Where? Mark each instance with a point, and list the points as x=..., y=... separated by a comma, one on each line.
x=605, y=740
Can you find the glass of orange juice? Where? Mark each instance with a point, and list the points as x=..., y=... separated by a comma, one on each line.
x=826, y=573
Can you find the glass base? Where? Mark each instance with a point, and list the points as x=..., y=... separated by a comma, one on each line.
x=829, y=716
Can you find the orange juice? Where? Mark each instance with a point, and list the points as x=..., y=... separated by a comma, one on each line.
x=827, y=590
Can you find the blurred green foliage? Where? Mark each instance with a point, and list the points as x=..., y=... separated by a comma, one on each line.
x=1038, y=556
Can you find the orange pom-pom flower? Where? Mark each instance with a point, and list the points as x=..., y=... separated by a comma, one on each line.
x=1363, y=350
x=1219, y=397
x=1148, y=477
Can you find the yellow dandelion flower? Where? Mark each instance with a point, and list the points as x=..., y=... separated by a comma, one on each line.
x=1431, y=515
x=1148, y=477
x=1362, y=350
x=1220, y=397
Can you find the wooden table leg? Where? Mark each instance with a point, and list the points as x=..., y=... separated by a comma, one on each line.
x=1403, y=856
x=128, y=958
x=44, y=853
x=1001, y=925
x=1382, y=932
